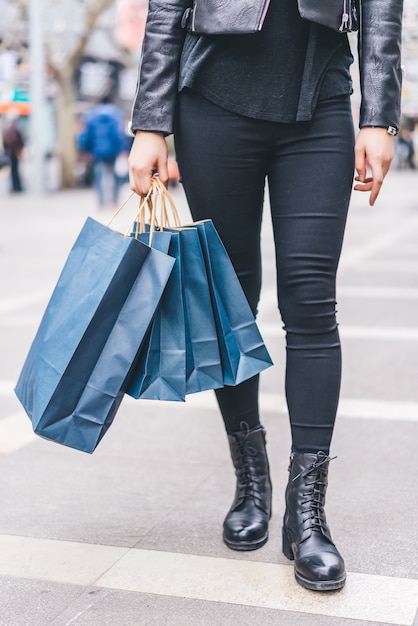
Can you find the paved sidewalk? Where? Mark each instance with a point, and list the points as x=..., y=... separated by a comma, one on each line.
x=132, y=534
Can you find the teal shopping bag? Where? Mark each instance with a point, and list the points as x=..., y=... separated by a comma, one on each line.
x=243, y=352
x=159, y=373
x=181, y=354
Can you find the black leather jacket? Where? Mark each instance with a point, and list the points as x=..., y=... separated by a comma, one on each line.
x=379, y=41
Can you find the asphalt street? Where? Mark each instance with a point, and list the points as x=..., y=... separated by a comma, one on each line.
x=131, y=535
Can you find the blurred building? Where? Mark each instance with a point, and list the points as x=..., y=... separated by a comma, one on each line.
x=410, y=59
x=109, y=63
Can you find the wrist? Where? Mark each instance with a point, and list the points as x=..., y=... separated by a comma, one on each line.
x=134, y=131
x=390, y=130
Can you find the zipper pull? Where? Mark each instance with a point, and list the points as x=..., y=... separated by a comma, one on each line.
x=344, y=22
x=344, y=18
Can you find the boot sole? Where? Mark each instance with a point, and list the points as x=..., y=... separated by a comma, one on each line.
x=246, y=545
x=321, y=585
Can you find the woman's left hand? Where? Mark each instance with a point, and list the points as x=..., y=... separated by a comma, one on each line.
x=374, y=150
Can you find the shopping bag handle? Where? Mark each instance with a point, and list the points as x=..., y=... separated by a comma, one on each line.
x=165, y=198
x=139, y=220
x=161, y=208
x=160, y=215
x=119, y=209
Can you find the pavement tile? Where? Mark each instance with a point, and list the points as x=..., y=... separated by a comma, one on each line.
x=73, y=496
x=108, y=608
x=362, y=358
x=26, y=602
x=173, y=431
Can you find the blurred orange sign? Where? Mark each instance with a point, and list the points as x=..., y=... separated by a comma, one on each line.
x=17, y=108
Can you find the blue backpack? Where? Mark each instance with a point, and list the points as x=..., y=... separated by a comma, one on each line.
x=103, y=135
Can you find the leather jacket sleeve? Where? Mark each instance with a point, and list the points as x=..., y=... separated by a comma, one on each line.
x=155, y=98
x=380, y=62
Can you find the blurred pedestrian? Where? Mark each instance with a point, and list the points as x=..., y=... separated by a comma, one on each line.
x=13, y=144
x=103, y=138
x=121, y=164
x=253, y=90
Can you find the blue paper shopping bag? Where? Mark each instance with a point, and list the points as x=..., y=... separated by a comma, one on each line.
x=159, y=372
x=185, y=314
x=203, y=360
x=242, y=349
x=181, y=355
x=74, y=376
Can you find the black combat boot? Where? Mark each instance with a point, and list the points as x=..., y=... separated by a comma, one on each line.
x=306, y=537
x=246, y=524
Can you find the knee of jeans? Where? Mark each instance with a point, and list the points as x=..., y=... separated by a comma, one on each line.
x=308, y=316
x=312, y=337
x=306, y=298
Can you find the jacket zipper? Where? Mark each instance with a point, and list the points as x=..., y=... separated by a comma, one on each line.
x=263, y=14
x=193, y=13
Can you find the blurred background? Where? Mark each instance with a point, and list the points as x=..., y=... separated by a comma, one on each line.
x=59, y=58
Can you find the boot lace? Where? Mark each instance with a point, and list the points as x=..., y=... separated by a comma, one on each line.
x=314, y=497
x=247, y=479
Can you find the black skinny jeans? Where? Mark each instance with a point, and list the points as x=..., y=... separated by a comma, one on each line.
x=224, y=160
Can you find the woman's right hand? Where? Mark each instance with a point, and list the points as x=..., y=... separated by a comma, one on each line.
x=148, y=156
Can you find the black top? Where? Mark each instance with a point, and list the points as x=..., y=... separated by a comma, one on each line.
x=261, y=75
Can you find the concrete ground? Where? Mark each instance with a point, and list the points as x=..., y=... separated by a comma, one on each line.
x=132, y=534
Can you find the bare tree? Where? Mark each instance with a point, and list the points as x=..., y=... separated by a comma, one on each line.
x=65, y=45
x=68, y=25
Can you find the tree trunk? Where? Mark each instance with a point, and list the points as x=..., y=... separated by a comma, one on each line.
x=66, y=128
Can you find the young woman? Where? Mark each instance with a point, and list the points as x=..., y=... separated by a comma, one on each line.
x=251, y=100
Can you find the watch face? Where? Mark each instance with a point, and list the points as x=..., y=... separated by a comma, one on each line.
x=392, y=130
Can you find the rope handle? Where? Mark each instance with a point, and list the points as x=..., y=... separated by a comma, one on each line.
x=139, y=220
x=114, y=216
x=161, y=209
x=168, y=218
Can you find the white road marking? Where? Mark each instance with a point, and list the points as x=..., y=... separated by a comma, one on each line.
x=384, y=293
x=375, y=245
x=381, y=333
x=60, y=561
x=389, y=267
x=265, y=585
